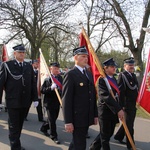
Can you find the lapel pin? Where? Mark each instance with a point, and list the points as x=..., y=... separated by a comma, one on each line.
x=81, y=84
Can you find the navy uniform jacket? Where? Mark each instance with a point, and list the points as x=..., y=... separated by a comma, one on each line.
x=19, y=92
x=128, y=86
x=79, y=98
x=108, y=107
x=50, y=97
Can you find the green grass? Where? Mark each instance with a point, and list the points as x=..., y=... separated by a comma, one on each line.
x=142, y=114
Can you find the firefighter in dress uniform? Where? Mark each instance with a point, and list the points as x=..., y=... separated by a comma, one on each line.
x=128, y=86
x=51, y=102
x=79, y=100
x=109, y=109
x=17, y=79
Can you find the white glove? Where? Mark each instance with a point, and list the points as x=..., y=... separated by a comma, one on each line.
x=35, y=104
x=53, y=86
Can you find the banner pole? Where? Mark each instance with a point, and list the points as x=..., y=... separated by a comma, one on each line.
x=97, y=62
x=47, y=69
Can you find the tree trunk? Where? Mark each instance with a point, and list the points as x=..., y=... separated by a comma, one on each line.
x=138, y=62
x=33, y=52
x=56, y=55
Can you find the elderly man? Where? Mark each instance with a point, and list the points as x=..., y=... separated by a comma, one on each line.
x=17, y=78
x=128, y=86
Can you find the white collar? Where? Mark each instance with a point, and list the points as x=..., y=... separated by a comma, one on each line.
x=80, y=68
x=19, y=62
x=35, y=69
x=129, y=73
x=110, y=76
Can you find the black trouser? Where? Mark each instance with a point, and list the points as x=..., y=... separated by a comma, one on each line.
x=27, y=112
x=45, y=126
x=52, y=114
x=79, y=138
x=130, y=117
x=96, y=144
x=107, y=127
x=39, y=110
x=15, y=122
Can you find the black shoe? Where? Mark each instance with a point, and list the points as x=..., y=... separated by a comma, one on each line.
x=95, y=145
x=129, y=149
x=56, y=141
x=45, y=132
x=91, y=147
x=42, y=120
x=120, y=141
x=5, y=109
x=22, y=148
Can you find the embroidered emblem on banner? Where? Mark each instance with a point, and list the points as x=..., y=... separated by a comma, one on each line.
x=148, y=81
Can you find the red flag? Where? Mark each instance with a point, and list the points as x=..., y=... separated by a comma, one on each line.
x=144, y=93
x=94, y=63
x=4, y=53
x=91, y=62
x=97, y=69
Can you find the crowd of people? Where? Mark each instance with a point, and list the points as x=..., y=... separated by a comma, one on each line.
x=80, y=105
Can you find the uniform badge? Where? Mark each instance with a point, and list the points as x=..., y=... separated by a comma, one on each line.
x=81, y=84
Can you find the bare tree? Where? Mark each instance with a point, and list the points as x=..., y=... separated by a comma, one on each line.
x=33, y=19
x=60, y=45
x=99, y=29
x=126, y=15
x=107, y=20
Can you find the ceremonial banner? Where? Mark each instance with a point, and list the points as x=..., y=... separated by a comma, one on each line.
x=97, y=71
x=4, y=53
x=144, y=93
x=91, y=62
x=45, y=73
x=42, y=71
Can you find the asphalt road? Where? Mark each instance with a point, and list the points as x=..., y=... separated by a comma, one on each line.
x=33, y=139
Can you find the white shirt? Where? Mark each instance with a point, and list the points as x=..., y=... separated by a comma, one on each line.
x=19, y=62
x=110, y=76
x=129, y=73
x=80, y=68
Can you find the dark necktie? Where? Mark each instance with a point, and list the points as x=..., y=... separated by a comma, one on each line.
x=21, y=67
x=84, y=72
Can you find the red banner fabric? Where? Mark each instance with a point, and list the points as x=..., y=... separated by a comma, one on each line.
x=4, y=53
x=91, y=62
x=144, y=93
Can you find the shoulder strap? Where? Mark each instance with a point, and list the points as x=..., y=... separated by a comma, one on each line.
x=127, y=82
x=123, y=81
x=16, y=77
